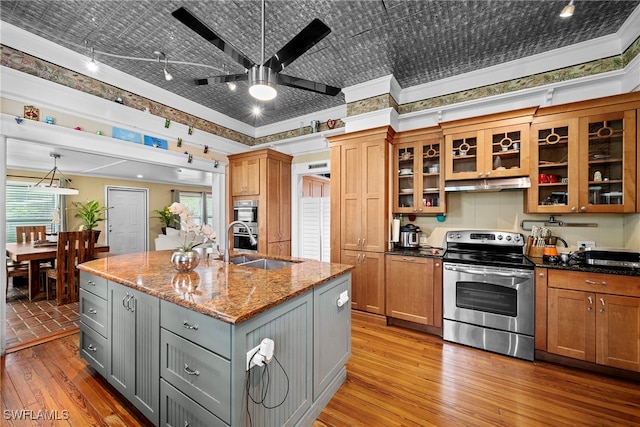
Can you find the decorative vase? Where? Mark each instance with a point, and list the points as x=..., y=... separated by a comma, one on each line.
x=185, y=261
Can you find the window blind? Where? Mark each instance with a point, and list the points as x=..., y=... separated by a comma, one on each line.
x=26, y=208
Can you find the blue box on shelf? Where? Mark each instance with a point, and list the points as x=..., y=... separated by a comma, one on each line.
x=126, y=135
x=156, y=142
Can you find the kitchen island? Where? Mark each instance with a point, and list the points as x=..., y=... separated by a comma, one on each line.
x=177, y=345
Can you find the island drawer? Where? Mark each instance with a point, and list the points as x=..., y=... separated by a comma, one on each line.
x=93, y=312
x=177, y=410
x=94, y=284
x=200, y=374
x=94, y=348
x=210, y=333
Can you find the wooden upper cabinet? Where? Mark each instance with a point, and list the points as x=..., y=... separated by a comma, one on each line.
x=363, y=195
x=493, y=146
x=245, y=177
x=265, y=175
x=418, y=173
x=584, y=160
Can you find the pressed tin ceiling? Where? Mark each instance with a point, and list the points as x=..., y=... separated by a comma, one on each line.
x=416, y=41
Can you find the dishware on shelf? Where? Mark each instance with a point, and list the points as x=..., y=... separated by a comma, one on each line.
x=406, y=172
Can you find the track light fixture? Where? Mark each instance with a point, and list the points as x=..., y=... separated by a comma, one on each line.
x=162, y=56
x=167, y=75
x=52, y=188
x=568, y=10
x=91, y=65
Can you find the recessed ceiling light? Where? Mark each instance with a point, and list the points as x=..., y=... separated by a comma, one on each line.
x=256, y=111
x=139, y=176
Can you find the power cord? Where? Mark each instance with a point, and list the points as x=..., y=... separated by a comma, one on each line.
x=265, y=379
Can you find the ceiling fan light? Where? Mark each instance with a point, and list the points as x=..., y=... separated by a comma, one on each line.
x=53, y=190
x=262, y=83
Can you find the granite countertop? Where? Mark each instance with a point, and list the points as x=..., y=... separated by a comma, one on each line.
x=226, y=292
x=577, y=266
x=424, y=252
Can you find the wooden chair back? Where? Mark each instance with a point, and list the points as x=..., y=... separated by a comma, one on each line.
x=23, y=233
x=74, y=247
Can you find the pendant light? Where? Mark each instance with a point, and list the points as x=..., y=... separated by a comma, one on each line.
x=51, y=188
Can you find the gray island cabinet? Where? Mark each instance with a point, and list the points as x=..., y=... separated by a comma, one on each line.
x=180, y=364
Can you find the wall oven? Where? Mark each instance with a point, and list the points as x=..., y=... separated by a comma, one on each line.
x=247, y=212
x=488, y=292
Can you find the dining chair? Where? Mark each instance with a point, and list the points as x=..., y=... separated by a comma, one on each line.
x=30, y=233
x=74, y=247
x=15, y=270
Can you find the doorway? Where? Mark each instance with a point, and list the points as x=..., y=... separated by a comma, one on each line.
x=127, y=225
x=310, y=236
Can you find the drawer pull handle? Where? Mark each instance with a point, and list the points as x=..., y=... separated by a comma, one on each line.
x=190, y=371
x=91, y=282
x=92, y=348
x=591, y=282
x=186, y=325
x=186, y=424
x=92, y=311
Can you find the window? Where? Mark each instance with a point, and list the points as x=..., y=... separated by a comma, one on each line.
x=198, y=203
x=26, y=208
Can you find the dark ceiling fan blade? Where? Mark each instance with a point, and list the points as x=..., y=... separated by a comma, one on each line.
x=302, y=42
x=187, y=18
x=309, y=85
x=225, y=78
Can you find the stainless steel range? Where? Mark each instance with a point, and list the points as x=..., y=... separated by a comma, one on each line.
x=488, y=292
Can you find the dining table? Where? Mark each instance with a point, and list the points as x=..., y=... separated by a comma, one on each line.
x=35, y=254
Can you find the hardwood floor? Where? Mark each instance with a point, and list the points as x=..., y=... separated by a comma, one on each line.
x=396, y=377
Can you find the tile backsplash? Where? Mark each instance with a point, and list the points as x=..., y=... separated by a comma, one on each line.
x=504, y=210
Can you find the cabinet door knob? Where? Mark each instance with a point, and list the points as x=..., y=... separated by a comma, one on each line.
x=573, y=209
x=92, y=348
x=602, y=302
x=583, y=208
x=540, y=274
x=437, y=264
x=590, y=308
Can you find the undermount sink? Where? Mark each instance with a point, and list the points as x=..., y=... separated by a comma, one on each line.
x=241, y=259
x=261, y=263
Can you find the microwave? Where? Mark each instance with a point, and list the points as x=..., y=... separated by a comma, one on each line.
x=246, y=211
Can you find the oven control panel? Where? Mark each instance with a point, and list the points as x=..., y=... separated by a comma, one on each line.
x=486, y=237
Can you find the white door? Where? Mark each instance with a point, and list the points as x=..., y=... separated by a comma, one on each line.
x=127, y=220
x=315, y=219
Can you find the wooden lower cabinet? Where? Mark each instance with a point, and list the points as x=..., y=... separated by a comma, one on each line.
x=588, y=319
x=367, y=288
x=413, y=289
x=279, y=248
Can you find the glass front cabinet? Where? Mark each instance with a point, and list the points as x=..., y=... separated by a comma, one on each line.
x=584, y=163
x=418, y=179
x=488, y=147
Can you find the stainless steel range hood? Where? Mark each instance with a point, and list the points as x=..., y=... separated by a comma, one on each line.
x=493, y=184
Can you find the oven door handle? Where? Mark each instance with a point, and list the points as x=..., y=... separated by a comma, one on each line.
x=514, y=273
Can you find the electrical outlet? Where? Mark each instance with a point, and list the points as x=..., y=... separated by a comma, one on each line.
x=586, y=244
x=250, y=355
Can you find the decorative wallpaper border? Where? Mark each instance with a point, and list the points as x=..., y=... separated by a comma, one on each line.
x=581, y=70
x=25, y=63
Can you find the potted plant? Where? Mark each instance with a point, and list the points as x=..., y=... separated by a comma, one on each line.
x=90, y=213
x=166, y=218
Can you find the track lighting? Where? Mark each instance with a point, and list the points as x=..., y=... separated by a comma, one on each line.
x=568, y=10
x=91, y=65
x=167, y=75
x=162, y=56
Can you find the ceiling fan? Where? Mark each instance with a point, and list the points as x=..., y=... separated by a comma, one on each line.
x=263, y=78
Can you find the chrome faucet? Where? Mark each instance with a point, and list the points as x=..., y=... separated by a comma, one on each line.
x=251, y=238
